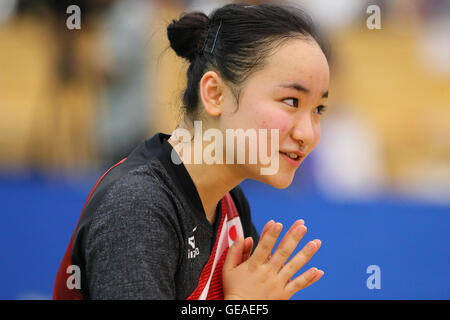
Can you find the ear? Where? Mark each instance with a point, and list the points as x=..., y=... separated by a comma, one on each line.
x=211, y=93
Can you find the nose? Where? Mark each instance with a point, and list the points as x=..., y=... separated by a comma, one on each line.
x=303, y=132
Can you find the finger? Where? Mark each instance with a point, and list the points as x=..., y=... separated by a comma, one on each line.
x=300, y=259
x=315, y=279
x=303, y=281
x=288, y=244
x=265, y=245
x=318, y=275
x=234, y=255
x=266, y=227
x=248, y=246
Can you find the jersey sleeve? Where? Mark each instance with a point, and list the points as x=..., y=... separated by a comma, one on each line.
x=132, y=248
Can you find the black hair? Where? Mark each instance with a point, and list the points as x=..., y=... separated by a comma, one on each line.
x=234, y=40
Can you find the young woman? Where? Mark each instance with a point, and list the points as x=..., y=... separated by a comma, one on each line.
x=168, y=223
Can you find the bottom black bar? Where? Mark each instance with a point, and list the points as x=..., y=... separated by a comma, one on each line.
x=174, y=310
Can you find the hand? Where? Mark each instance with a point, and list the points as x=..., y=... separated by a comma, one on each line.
x=262, y=276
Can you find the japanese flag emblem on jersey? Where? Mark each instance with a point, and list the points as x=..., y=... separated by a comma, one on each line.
x=210, y=282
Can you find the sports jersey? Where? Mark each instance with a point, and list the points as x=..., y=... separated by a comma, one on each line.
x=143, y=233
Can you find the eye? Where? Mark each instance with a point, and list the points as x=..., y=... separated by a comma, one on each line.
x=321, y=109
x=293, y=102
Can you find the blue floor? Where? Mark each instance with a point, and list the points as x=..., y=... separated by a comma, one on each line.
x=409, y=242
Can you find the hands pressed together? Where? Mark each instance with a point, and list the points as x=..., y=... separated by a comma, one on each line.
x=264, y=276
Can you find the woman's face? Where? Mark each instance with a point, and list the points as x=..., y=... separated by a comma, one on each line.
x=288, y=94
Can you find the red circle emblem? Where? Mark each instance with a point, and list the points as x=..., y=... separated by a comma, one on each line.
x=233, y=233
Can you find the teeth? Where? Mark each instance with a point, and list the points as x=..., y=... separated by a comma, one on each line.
x=292, y=155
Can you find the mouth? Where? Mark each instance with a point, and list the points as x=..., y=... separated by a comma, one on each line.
x=294, y=158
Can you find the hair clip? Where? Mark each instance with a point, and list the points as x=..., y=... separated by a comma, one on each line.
x=215, y=38
x=207, y=37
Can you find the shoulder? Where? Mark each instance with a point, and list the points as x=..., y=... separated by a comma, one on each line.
x=137, y=201
x=140, y=186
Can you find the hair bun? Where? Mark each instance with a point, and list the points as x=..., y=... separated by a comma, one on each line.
x=185, y=34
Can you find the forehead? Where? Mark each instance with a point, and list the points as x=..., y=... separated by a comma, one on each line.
x=299, y=61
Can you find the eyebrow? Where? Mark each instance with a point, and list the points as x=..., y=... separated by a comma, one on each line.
x=300, y=88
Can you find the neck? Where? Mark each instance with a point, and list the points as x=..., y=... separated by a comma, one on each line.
x=212, y=181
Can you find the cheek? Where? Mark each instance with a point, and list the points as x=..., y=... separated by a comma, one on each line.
x=316, y=136
x=264, y=116
x=273, y=119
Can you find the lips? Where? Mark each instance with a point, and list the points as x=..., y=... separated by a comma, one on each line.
x=294, y=162
x=298, y=153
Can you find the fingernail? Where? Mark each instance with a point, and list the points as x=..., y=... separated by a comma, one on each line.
x=301, y=229
x=278, y=226
x=312, y=272
x=298, y=223
x=311, y=246
x=319, y=274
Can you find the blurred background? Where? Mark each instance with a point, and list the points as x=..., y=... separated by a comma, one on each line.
x=376, y=190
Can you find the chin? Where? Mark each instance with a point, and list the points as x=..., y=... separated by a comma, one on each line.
x=279, y=180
